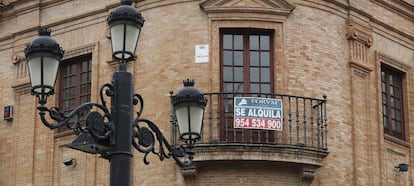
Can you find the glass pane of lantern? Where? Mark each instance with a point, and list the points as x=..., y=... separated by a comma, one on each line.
x=196, y=116
x=49, y=72
x=131, y=39
x=117, y=37
x=34, y=71
x=196, y=119
x=51, y=66
x=182, y=119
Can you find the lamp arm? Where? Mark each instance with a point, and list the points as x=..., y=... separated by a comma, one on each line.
x=61, y=119
x=79, y=113
x=144, y=141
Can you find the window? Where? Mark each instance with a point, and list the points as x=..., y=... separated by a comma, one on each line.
x=246, y=70
x=246, y=61
x=392, y=102
x=75, y=83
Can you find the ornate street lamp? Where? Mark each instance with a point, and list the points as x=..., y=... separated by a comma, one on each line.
x=125, y=24
x=112, y=132
x=43, y=56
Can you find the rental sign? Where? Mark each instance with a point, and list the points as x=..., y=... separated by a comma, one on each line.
x=258, y=113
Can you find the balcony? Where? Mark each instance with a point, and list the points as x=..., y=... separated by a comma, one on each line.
x=303, y=139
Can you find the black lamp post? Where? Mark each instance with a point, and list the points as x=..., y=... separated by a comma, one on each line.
x=112, y=132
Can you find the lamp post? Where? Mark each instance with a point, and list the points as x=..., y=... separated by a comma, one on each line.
x=111, y=132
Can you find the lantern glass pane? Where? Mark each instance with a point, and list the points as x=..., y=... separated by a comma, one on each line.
x=131, y=39
x=51, y=66
x=182, y=119
x=124, y=38
x=117, y=39
x=34, y=71
x=49, y=73
x=194, y=119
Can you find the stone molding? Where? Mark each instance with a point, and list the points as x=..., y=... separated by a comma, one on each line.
x=86, y=49
x=382, y=58
x=23, y=87
x=276, y=7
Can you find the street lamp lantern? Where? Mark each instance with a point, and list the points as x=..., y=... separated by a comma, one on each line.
x=188, y=106
x=43, y=57
x=125, y=24
x=111, y=130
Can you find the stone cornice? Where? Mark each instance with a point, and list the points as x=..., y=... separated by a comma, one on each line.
x=382, y=58
x=276, y=7
x=79, y=51
x=399, y=7
x=22, y=87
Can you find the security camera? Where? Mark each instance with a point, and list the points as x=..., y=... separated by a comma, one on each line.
x=69, y=162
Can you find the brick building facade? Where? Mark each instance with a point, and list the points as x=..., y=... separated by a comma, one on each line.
x=359, y=53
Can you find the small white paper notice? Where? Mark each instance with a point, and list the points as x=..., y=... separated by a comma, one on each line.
x=201, y=53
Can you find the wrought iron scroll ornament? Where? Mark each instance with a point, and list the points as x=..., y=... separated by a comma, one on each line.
x=145, y=142
x=99, y=125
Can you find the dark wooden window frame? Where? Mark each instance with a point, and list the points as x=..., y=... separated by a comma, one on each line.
x=228, y=133
x=79, y=97
x=246, y=32
x=393, y=102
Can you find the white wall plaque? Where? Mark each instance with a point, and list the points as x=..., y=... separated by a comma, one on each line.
x=201, y=53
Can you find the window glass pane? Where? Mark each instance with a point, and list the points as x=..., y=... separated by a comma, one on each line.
x=396, y=81
x=254, y=88
x=227, y=41
x=265, y=88
x=254, y=42
x=265, y=75
x=393, y=127
x=397, y=92
x=72, y=92
x=238, y=88
x=397, y=115
x=238, y=58
x=264, y=42
x=397, y=105
x=399, y=128
x=84, y=89
x=238, y=42
x=84, y=77
x=73, y=69
x=228, y=58
x=264, y=59
x=227, y=74
x=85, y=66
x=65, y=105
x=73, y=80
x=228, y=87
x=228, y=105
x=238, y=74
x=254, y=75
x=89, y=76
x=254, y=58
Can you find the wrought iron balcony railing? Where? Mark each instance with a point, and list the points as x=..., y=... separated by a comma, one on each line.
x=304, y=123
